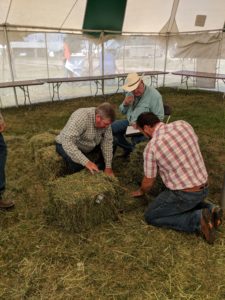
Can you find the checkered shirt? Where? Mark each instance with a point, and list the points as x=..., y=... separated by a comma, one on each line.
x=80, y=136
x=174, y=152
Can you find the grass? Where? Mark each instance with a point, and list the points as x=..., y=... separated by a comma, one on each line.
x=126, y=259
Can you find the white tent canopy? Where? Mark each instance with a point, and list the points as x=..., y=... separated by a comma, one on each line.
x=142, y=16
x=105, y=37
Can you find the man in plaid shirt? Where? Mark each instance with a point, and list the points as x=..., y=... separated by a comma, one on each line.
x=3, y=154
x=173, y=151
x=88, y=132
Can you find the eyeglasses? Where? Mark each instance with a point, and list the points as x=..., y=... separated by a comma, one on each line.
x=106, y=122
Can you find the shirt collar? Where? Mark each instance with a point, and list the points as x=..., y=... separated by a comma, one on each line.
x=157, y=127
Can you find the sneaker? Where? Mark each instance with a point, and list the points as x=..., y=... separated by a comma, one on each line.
x=217, y=216
x=207, y=229
x=6, y=204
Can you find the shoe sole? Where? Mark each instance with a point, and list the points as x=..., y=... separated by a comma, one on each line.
x=207, y=216
x=217, y=215
x=7, y=207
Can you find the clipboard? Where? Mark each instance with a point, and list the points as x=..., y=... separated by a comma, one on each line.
x=131, y=131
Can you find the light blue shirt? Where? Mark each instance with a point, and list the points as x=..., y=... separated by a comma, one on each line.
x=150, y=101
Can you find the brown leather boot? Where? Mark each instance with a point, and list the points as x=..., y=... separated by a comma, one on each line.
x=217, y=216
x=207, y=228
x=6, y=204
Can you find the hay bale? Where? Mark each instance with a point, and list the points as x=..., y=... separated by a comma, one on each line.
x=49, y=163
x=54, y=131
x=135, y=169
x=41, y=140
x=135, y=166
x=81, y=201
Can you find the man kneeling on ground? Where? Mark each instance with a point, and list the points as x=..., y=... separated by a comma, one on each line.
x=174, y=151
x=88, y=132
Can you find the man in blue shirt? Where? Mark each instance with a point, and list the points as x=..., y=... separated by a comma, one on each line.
x=139, y=98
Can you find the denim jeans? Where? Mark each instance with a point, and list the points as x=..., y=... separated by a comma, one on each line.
x=178, y=210
x=75, y=167
x=119, y=128
x=3, y=155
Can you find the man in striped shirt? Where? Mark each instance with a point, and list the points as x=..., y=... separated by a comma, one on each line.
x=3, y=154
x=174, y=152
x=88, y=132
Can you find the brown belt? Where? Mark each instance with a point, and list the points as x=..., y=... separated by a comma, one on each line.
x=196, y=188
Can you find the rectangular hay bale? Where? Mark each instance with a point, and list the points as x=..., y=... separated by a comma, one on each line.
x=49, y=163
x=135, y=170
x=41, y=140
x=81, y=201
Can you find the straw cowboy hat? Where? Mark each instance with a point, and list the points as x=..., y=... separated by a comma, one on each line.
x=132, y=82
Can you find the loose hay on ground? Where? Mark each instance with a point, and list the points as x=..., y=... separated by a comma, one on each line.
x=128, y=261
x=81, y=201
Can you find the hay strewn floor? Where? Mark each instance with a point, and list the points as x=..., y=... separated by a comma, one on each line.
x=117, y=260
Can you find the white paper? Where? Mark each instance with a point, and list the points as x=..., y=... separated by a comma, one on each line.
x=132, y=131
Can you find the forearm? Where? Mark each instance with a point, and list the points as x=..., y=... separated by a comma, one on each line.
x=107, y=153
x=147, y=184
x=2, y=123
x=107, y=148
x=123, y=109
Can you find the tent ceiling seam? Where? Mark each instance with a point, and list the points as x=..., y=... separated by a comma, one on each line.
x=8, y=11
x=173, y=13
x=67, y=16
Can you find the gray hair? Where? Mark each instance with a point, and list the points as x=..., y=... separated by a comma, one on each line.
x=106, y=111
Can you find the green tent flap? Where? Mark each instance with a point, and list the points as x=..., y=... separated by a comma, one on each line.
x=104, y=15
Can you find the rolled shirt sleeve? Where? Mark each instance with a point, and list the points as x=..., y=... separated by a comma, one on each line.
x=107, y=147
x=71, y=135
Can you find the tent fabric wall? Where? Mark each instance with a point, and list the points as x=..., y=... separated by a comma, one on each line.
x=41, y=55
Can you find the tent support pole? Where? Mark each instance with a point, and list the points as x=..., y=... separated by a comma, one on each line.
x=103, y=55
x=165, y=61
x=46, y=51
x=10, y=65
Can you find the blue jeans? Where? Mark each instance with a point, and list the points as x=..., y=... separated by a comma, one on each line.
x=75, y=167
x=119, y=128
x=178, y=210
x=3, y=155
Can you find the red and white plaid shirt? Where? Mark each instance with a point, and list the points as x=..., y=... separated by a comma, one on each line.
x=174, y=152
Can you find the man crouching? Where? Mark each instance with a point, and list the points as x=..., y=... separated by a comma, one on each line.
x=174, y=152
x=88, y=131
